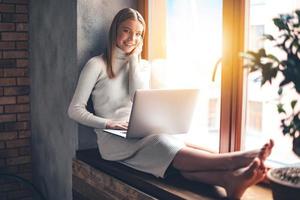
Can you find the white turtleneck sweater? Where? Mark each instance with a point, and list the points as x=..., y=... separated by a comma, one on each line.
x=112, y=99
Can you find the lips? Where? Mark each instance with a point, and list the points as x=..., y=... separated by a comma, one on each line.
x=129, y=45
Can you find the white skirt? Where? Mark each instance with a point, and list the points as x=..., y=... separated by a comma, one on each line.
x=152, y=154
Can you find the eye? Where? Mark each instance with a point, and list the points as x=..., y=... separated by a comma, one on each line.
x=126, y=30
x=138, y=34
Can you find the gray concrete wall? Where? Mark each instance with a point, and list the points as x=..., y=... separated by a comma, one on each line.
x=52, y=70
x=58, y=50
x=93, y=21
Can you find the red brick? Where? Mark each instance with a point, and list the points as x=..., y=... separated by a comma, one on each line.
x=7, y=45
x=22, y=63
x=16, y=1
x=23, y=81
x=11, y=170
x=17, y=143
x=7, y=100
x=2, y=162
x=14, y=126
x=2, y=144
x=7, y=26
x=1, y=109
x=21, y=9
x=6, y=181
x=25, y=168
x=22, y=45
x=8, y=153
x=16, y=91
x=18, y=160
x=8, y=118
x=19, y=108
x=8, y=135
x=24, y=134
x=15, y=54
x=25, y=151
x=27, y=176
x=22, y=27
x=13, y=36
x=23, y=117
x=23, y=99
x=15, y=72
x=7, y=63
x=6, y=8
x=28, y=198
x=7, y=82
x=9, y=187
x=14, y=18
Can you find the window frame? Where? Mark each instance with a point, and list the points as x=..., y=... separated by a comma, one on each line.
x=232, y=116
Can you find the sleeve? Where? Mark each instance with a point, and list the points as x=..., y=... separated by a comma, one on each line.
x=139, y=75
x=77, y=109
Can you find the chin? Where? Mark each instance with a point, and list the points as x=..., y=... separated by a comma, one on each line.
x=128, y=50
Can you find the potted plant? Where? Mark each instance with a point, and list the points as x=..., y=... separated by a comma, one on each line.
x=288, y=69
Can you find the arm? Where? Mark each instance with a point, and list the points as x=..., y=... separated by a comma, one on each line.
x=139, y=74
x=77, y=109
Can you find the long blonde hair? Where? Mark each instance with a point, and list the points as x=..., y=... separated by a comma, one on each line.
x=121, y=16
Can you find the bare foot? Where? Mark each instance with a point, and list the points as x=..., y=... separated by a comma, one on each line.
x=238, y=181
x=266, y=150
x=244, y=158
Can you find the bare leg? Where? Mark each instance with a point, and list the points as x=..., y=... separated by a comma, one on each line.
x=191, y=159
x=235, y=182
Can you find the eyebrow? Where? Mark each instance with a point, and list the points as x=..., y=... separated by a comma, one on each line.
x=132, y=29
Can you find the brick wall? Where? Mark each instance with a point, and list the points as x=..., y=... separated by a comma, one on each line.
x=15, y=151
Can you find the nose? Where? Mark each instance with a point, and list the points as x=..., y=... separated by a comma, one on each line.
x=131, y=37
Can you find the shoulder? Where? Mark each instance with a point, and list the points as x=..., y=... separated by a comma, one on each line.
x=95, y=65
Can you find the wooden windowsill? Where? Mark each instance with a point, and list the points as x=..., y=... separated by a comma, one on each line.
x=174, y=187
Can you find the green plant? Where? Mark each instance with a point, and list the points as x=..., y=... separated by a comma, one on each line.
x=271, y=66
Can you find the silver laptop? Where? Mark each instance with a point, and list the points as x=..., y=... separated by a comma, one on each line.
x=160, y=111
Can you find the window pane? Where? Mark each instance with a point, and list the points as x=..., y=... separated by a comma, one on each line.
x=262, y=119
x=193, y=49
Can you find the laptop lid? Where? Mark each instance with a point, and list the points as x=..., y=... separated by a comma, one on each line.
x=161, y=111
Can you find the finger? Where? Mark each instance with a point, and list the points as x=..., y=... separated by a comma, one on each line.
x=122, y=127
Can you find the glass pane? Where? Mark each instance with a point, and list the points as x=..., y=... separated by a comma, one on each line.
x=193, y=48
x=262, y=119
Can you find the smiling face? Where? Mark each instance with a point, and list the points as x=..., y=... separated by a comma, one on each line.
x=129, y=35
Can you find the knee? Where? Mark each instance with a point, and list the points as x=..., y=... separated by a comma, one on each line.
x=158, y=137
x=187, y=175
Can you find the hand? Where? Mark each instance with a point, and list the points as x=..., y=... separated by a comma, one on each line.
x=117, y=125
x=137, y=50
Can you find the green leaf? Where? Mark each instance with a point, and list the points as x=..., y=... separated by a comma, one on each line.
x=298, y=14
x=262, y=52
x=280, y=90
x=293, y=103
x=280, y=108
x=279, y=23
x=272, y=57
x=268, y=37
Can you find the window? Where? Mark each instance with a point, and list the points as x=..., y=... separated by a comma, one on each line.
x=254, y=116
x=213, y=114
x=262, y=119
x=255, y=37
x=237, y=114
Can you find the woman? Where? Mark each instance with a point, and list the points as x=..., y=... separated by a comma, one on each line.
x=111, y=79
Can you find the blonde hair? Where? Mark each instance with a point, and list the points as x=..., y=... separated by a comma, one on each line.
x=121, y=16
